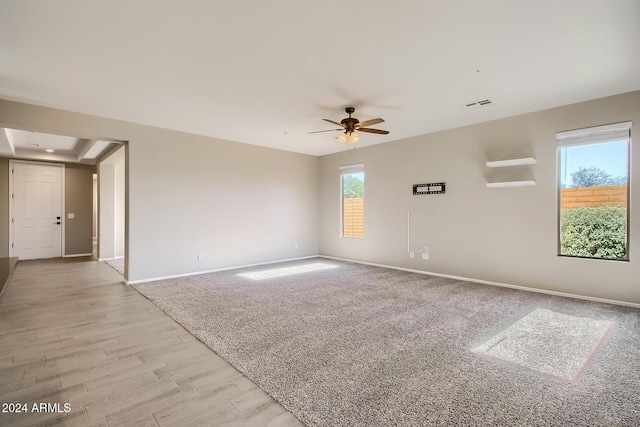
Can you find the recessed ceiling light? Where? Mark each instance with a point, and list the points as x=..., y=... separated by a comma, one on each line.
x=49, y=150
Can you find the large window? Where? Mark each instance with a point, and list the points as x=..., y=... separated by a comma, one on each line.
x=594, y=192
x=352, y=201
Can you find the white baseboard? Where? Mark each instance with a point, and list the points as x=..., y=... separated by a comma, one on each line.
x=77, y=255
x=410, y=270
x=195, y=273
x=486, y=282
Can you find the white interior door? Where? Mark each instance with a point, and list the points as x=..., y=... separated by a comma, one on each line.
x=37, y=210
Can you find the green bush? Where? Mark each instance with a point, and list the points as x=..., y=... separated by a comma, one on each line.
x=594, y=232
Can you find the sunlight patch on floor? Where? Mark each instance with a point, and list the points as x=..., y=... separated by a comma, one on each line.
x=286, y=271
x=554, y=344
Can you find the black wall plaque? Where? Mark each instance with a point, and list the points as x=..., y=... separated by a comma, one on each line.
x=432, y=188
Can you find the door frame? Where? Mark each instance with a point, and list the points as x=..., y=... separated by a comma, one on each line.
x=62, y=195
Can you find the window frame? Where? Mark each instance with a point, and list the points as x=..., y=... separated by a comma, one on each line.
x=587, y=136
x=349, y=170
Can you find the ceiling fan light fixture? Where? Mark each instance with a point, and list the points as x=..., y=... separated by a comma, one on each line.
x=354, y=137
x=349, y=137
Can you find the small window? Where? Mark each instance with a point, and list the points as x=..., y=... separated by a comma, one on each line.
x=594, y=192
x=352, y=201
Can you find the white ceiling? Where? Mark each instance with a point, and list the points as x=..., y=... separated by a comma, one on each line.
x=266, y=73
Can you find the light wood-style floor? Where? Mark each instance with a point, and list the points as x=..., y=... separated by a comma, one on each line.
x=71, y=332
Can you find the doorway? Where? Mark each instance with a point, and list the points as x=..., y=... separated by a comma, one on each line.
x=79, y=232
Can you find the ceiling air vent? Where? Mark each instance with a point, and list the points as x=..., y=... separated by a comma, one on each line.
x=477, y=104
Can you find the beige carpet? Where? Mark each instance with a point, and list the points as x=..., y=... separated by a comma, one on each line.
x=355, y=345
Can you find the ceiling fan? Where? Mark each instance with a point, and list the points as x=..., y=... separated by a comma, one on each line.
x=351, y=126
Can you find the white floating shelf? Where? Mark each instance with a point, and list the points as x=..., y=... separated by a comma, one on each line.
x=512, y=162
x=510, y=184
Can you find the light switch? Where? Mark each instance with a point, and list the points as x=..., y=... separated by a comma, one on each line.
x=71, y=216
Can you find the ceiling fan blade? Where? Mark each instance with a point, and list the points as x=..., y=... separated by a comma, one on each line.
x=328, y=130
x=369, y=130
x=335, y=123
x=369, y=123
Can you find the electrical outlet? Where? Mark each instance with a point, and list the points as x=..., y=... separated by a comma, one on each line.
x=412, y=255
x=200, y=257
x=425, y=255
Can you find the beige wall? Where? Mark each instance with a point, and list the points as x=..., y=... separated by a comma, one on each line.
x=4, y=207
x=119, y=214
x=506, y=235
x=112, y=206
x=240, y=204
x=106, y=211
x=234, y=203
x=79, y=201
x=95, y=208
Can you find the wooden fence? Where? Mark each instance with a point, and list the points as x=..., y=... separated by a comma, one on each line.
x=353, y=209
x=591, y=197
x=353, y=217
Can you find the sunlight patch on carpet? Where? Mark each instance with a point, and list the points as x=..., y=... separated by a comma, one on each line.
x=286, y=271
x=554, y=344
